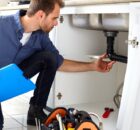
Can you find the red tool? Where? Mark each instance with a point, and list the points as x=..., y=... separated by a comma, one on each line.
x=107, y=112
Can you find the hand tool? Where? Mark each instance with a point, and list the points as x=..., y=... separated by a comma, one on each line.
x=107, y=112
x=61, y=126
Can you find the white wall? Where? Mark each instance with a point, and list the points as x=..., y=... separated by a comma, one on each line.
x=4, y=2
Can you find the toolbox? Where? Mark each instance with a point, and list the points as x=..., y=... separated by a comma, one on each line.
x=70, y=119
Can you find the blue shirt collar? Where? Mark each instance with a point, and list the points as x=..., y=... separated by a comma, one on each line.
x=19, y=27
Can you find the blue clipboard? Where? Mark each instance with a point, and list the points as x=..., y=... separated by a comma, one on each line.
x=13, y=83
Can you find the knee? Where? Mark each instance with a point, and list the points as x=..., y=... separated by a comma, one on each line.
x=50, y=59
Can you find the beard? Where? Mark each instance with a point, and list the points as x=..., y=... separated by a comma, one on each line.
x=46, y=29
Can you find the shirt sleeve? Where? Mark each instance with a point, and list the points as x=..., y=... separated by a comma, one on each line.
x=49, y=46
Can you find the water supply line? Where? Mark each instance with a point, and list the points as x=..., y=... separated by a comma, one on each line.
x=110, y=35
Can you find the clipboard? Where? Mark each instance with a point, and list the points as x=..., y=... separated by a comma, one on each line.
x=13, y=83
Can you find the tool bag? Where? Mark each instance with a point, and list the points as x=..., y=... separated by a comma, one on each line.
x=70, y=119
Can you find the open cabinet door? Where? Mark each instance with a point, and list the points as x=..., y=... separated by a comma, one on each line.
x=130, y=105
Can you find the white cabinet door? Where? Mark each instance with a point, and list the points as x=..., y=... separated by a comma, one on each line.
x=130, y=106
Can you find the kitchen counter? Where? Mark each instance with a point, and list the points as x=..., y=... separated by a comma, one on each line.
x=86, y=6
x=89, y=2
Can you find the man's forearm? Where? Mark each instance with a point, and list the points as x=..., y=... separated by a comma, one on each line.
x=99, y=65
x=75, y=66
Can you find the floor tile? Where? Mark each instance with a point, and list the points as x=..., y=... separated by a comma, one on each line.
x=11, y=123
x=15, y=113
x=21, y=119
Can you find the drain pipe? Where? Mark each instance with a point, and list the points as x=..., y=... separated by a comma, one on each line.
x=110, y=50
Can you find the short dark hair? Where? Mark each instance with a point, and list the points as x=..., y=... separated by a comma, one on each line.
x=46, y=5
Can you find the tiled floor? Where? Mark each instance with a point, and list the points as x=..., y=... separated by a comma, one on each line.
x=15, y=113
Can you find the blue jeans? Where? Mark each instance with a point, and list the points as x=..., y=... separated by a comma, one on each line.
x=1, y=118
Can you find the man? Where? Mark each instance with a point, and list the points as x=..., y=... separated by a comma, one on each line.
x=25, y=42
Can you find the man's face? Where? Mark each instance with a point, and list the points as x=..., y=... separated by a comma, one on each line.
x=48, y=22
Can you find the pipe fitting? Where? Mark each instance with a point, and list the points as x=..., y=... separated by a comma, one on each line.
x=110, y=47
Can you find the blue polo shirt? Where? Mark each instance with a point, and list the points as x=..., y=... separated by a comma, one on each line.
x=11, y=32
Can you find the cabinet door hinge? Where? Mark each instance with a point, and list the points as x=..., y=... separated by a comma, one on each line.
x=61, y=19
x=133, y=42
x=59, y=96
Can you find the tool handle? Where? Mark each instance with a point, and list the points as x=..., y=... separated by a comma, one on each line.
x=106, y=114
